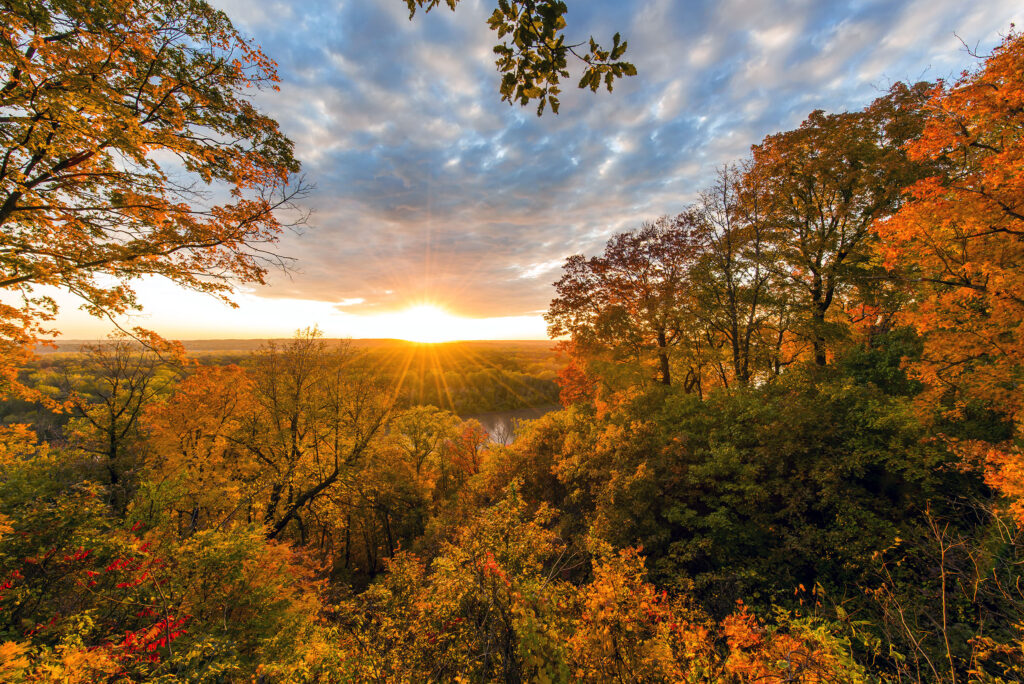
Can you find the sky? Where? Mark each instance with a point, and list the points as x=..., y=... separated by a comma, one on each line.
x=440, y=212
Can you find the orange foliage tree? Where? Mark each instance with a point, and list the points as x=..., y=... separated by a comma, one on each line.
x=129, y=147
x=317, y=412
x=961, y=237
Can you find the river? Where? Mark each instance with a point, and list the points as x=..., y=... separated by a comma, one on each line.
x=500, y=425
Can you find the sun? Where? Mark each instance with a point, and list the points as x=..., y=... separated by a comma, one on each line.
x=428, y=323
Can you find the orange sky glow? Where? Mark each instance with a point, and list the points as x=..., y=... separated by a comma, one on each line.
x=178, y=314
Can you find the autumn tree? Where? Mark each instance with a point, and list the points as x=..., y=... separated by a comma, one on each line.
x=421, y=433
x=961, y=239
x=107, y=389
x=533, y=56
x=192, y=450
x=130, y=147
x=461, y=456
x=739, y=300
x=633, y=299
x=316, y=413
x=385, y=502
x=575, y=383
x=823, y=187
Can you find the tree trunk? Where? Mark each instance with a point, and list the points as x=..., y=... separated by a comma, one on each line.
x=348, y=540
x=666, y=378
x=272, y=504
x=821, y=296
x=820, y=357
x=387, y=534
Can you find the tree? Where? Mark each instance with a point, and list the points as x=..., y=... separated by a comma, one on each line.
x=190, y=439
x=961, y=238
x=316, y=413
x=109, y=387
x=129, y=147
x=533, y=59
x=736, y=287
x=632, y=299
x=462, y=455
x=422, y=431
x=824, y=185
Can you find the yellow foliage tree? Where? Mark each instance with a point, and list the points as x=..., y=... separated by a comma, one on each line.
x=192, y=435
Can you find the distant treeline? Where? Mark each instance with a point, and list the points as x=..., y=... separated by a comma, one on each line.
x=467, y=378
x=462, y=377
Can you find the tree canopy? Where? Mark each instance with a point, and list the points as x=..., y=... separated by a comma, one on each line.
x=131, y=147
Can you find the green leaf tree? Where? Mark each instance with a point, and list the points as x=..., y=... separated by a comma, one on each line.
x=533, y=56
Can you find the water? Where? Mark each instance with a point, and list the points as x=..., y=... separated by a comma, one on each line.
x=500, y=425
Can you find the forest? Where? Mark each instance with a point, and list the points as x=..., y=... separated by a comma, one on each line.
x=788, y=448
x=465, y=378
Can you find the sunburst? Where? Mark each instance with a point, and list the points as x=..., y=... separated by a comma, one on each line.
x=427, y=323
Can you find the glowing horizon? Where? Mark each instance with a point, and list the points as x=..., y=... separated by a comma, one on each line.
x=175, y=313
x=426, y=323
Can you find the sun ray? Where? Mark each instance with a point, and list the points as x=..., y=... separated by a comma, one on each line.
x=482, y=363
x=441, y=382
x=400, y=380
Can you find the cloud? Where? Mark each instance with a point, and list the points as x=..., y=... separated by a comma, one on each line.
x=429, y=188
